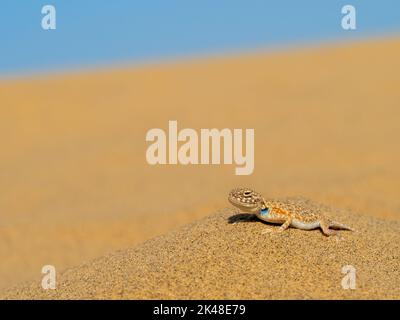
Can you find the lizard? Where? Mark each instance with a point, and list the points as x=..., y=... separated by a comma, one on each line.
x=288, y=214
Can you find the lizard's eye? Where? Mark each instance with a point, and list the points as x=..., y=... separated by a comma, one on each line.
x=247, y=194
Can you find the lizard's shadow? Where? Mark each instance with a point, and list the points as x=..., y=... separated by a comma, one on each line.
x=243, y=217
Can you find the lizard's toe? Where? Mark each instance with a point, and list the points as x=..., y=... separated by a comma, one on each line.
x=272, y=231
x=267, y=230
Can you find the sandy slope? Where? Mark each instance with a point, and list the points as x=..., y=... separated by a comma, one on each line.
x=75, y=184
x=217, y=258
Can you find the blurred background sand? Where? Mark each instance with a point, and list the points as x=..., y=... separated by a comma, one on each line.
x=75, y=183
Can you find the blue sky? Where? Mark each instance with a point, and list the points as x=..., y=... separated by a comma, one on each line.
x=94, y=33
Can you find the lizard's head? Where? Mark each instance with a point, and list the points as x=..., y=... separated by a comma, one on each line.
x=246, y=199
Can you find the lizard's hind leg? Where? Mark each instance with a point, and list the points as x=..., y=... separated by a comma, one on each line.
x=324, y=224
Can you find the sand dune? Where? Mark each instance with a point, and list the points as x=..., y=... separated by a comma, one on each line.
x=226, y=256
x=75, y=185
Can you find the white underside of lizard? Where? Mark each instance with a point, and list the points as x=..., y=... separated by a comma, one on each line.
x=295, y=223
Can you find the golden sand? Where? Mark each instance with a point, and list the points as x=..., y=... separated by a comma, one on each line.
x=218, y=258
x=75, y=184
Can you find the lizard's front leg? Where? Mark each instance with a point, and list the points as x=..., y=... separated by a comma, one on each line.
x=282, y=228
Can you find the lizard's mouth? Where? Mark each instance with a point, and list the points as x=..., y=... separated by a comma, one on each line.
x=246, y=207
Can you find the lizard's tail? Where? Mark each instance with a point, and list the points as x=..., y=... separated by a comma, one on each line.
x=337, y=225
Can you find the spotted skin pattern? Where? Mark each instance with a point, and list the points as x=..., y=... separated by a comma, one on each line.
x=300, y=214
